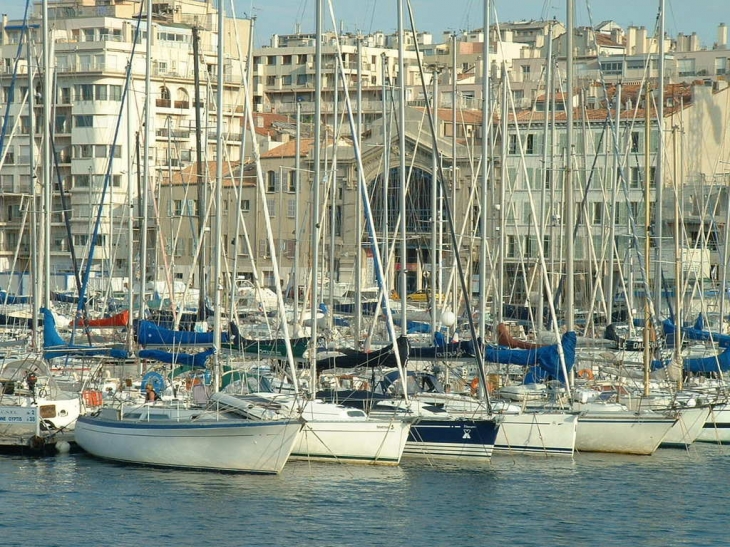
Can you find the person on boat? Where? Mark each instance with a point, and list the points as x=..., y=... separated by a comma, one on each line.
x=151, y=395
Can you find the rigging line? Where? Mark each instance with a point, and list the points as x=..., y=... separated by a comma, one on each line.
x=362, y=188
x=449, y=218
x=13, y=80
x=107, y=178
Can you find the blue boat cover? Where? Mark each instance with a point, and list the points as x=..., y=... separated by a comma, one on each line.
x=55, y=346
x=546, y=358
x=6, y=298
x=152, y=334
x=196, y=360
x=696, y=332
x=715, y=363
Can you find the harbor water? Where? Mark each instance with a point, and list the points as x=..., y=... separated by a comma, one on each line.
x=674, y=497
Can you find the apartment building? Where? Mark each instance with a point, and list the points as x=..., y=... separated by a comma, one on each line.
x=100, y=131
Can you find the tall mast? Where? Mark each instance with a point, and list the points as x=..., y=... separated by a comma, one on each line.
x=297, y=194
x=486, y=125
x=146, y=167
x=46, y=161
x=546, y=172
x=568, y=193
x=435, y=213
x=402, y=169
x=455, y=256
x=658, y=216
x=35, y=259
x=218, y=226
x=202, y=194
x=314, y=249
x=358, y=205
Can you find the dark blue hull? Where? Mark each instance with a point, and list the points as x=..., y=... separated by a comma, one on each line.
x=458, y=438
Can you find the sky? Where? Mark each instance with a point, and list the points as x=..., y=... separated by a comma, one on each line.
x=438, y=16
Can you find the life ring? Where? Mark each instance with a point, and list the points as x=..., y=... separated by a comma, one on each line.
x=474, y=385
x=585, y=373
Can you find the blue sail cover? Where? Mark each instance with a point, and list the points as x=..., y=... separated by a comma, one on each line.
x=546, y=358
x=6, y=298
x=704, y=365
x=55, y=346
x=152, y=334
x=196, y=360
x=696, y=332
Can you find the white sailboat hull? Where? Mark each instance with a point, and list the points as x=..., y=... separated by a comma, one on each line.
x=688, y=428
x=331, y=432
x=537, y=433
x=222, y=445
x=621, y=432
x=717, y=426
x=368, y=442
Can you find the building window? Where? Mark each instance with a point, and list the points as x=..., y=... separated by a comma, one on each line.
x=291, y=208
x=635, y=140
x=271, y=180
x=635, y=177
x=115, y=92
x=512, y=145
x=292, y=181
x=85, y=92
x=530, y=144
x=101, y=92
x=271, y=204
x=84, y=121
x=245, y=206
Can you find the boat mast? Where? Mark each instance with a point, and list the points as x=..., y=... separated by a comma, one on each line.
x=218, y=224
x=146, y=167
x=647, y=235
x=658, y=216
x=35, y=259
x=314, y=249
x=46, y=161
x=486, y=126
x=546, y=172
x=333, y=193
x=358, y=207
x=297, y=190
x=568, y=193
x=402, y=169
x=455, y=257
x=202, y=194
x=435, y=214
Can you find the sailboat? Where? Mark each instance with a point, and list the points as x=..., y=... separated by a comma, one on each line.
x=331, y=432
x=602, y=426
x=212, y=437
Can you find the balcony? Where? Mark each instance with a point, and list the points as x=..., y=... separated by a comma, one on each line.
x=174, y=134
